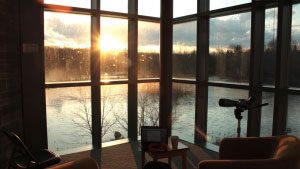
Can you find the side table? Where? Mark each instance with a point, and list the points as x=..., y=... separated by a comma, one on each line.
x=181, y=150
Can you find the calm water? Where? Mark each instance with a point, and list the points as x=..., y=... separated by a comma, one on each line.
x=69, y=115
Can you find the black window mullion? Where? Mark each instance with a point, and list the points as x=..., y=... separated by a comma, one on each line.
x=281, y=82
x=132, y=70
x=95, y=77
x=166, y=29
x=202, y=73
x=257, y=52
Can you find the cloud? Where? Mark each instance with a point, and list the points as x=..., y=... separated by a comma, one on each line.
x=230, y=30
x=185, y=33
x=58, y=32
x=148, y=33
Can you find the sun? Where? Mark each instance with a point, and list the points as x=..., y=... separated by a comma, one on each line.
x=109, y=43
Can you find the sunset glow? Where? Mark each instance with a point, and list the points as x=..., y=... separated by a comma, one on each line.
x=109, y=43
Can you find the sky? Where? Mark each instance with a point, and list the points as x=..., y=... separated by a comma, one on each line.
x=73, y=30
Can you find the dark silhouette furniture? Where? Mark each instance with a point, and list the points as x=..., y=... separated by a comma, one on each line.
x=282, y=152
x=22, y=157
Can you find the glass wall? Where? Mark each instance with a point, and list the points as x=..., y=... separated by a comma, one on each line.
x=229, y=48
x=183, y=111
x=293, y=125
x=68, y=118
x=294, y=74
x=221, y=121
x=113, y=49
x=184, y=50
x=149, y=8
x=148, y=50
x=73, y=3
x=182, y=8
x=267, y=114
x=114, y=116
x=114, y=5
x=294, y=77
x=67, y=47
x=215, y=4
x=269, y=58
x=74, y=82
x=148, y=105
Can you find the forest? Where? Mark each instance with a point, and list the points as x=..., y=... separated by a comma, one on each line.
x=224, y=64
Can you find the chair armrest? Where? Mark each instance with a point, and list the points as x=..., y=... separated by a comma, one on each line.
x=248, y=148
x=240, y=164
x=86, y=163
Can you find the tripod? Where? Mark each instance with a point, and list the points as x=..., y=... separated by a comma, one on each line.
x=238, y=115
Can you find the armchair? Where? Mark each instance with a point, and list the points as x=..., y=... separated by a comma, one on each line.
x=282, y=152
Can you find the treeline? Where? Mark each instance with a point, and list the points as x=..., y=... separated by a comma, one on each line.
x=231, y=64
x=67, y=64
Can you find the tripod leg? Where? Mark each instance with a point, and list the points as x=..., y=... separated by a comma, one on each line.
x=239, y=128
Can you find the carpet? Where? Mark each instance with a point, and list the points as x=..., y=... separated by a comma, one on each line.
x=127, y=156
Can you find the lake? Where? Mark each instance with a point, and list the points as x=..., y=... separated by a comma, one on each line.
x=69, y=113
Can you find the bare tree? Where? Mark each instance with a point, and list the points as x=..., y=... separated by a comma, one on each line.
x=83, y=114
x=148, y=109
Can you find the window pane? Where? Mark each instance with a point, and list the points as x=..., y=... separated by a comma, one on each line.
x=67, y=47
x=148, y=49
x=184, y=50
x=183, y=111
x=294, y=75
x=293, y=125
x=269, y=58
x=149, y=8
x=68, y=118
x=186, y=7
x=148, y=105
x=216, y=4
x=229, y=48
x=114, y=112
x=267, y=114
x=73, y=3
x=113, y=48
x=221, y=121
x=114, y=5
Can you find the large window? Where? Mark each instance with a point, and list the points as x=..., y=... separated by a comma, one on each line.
x=183, y=111
x=293, y=126
x=148, y=105
x=103, y=60
x=73, y=3
x=114, y=112
x=221, y=121
x=215, y=4
x=184, y=50
x=229, y=48
x=87, y=69
x=68, y=118
x=294, y=75
x=186, y=7
x=148, y=50
x=267, y=114
x=269, y=58
x=114, y=5
x=67, y=47
x=113, y=48
x=149, y=8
